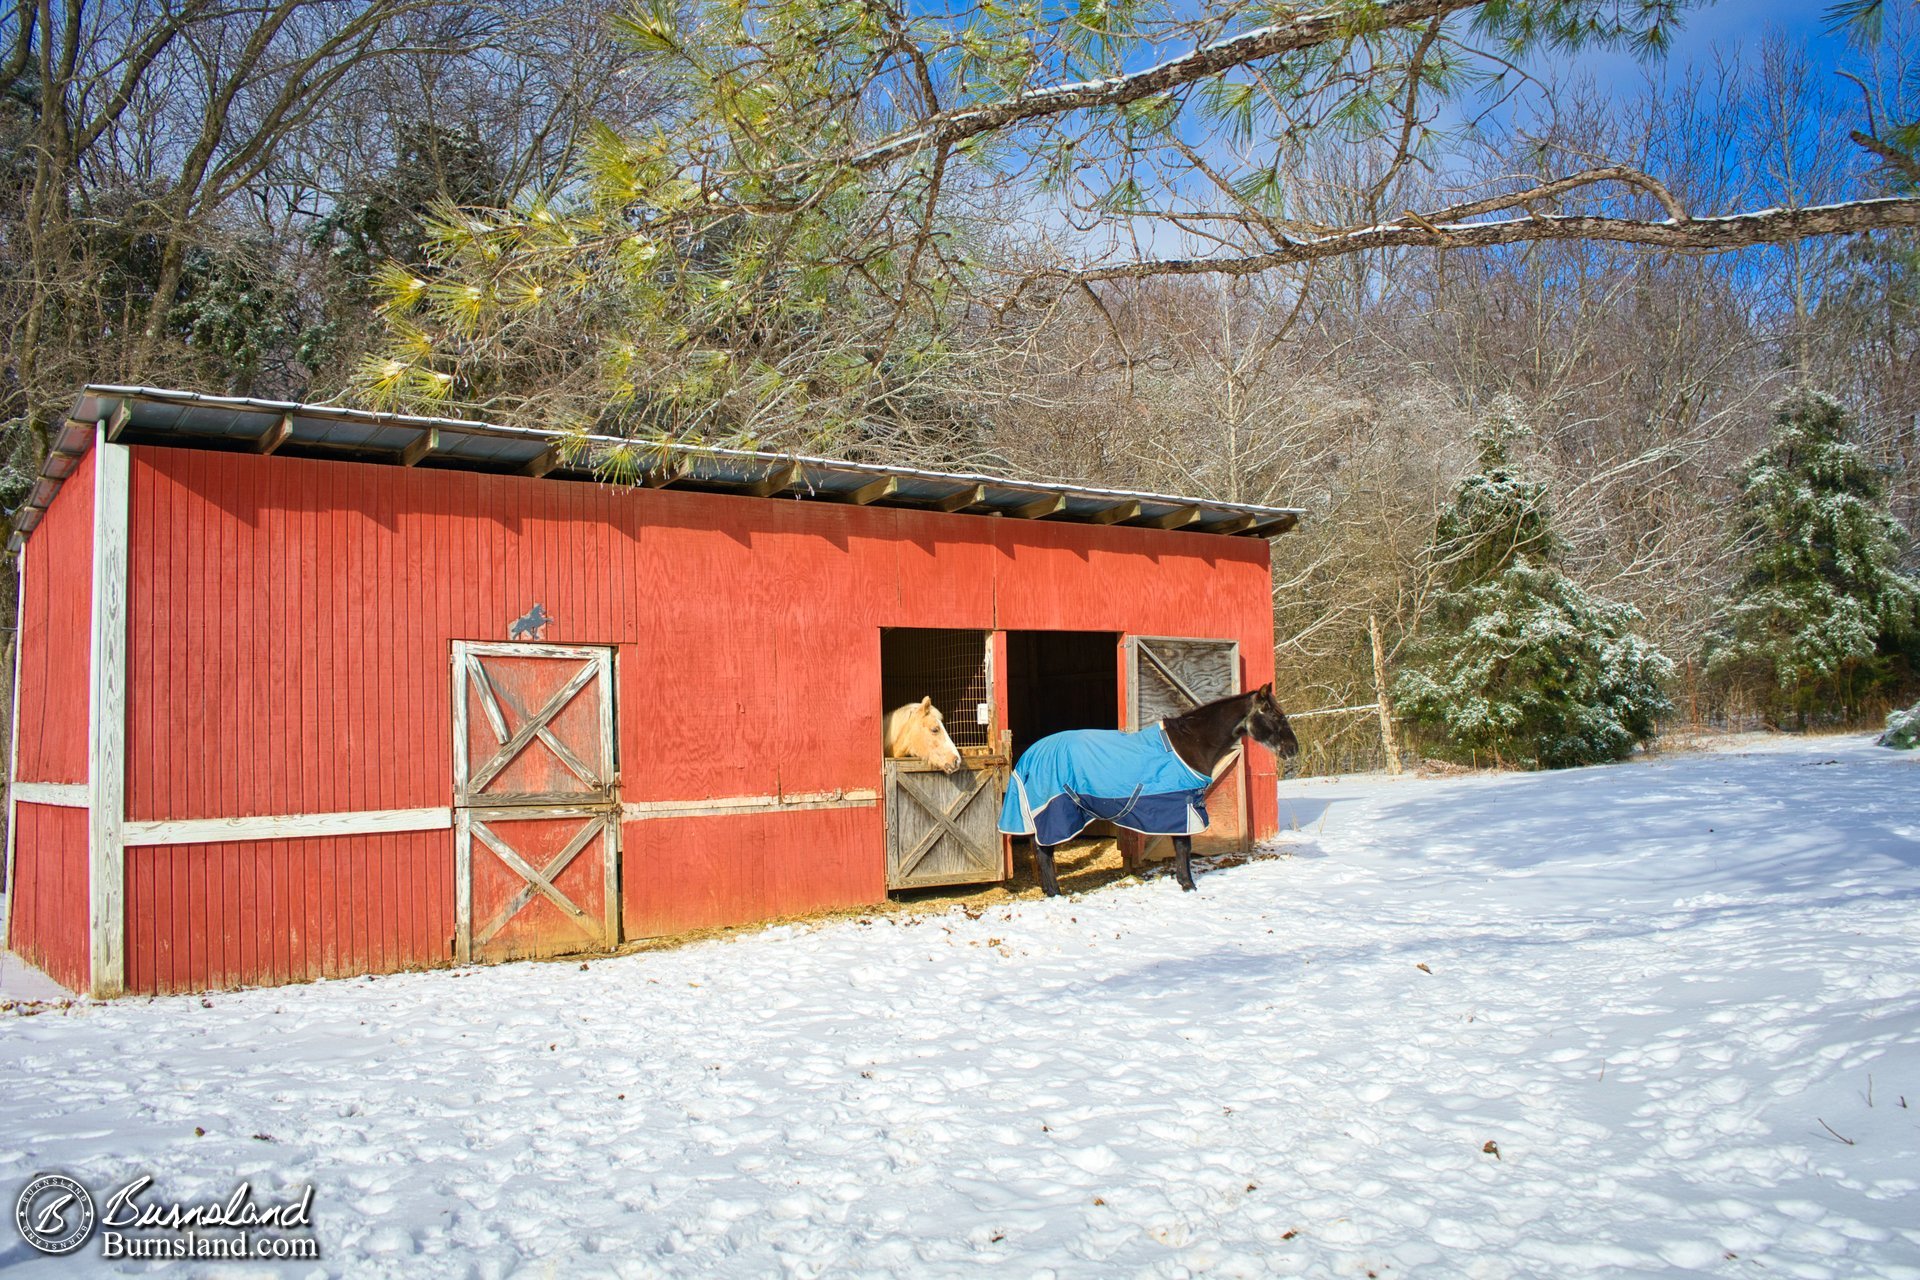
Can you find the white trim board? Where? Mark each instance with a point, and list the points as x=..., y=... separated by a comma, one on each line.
x=61, y=795
x=107, y=720
x=858, y=798
x=370, y=822
x=291, y=826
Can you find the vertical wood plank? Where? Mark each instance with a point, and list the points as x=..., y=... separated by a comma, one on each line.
x=402, y=566
x=372, y=643
x=270, y=549
x=351, y=896
x=309, y=638
x=141, y=635
x=175, y=699
x=244, y=878
x=345, y=788
x=139, y=923
x=224, y=787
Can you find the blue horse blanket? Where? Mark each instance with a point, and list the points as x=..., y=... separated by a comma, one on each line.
x=1068, y=780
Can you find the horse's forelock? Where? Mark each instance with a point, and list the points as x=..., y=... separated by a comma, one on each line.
x=926, y=723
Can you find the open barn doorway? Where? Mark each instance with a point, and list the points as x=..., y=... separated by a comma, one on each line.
x=1059, y=680
x=953, y=667
x=943, y=827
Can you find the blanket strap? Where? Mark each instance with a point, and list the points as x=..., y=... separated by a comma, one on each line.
x=1125, y=809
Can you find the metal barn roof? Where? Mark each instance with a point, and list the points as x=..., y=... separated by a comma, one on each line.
x=146, y=415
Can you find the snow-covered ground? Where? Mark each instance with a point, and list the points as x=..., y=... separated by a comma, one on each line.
x=1680, y=997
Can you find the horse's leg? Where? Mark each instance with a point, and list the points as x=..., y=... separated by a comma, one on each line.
x=1043, y=863
x=1183, y=861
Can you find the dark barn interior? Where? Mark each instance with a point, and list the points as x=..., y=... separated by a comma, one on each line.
x=1059, y=680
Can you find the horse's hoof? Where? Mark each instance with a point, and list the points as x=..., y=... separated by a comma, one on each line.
x=1186, y=888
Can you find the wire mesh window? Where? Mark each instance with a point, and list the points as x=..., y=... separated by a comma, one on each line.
x=948, y=666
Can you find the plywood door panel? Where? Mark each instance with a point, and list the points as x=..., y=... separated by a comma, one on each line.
x=1169, y=677
x=533, y=725
x=942, y=828
x=542, y=881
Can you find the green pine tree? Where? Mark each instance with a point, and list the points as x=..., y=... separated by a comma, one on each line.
x=1822, y=618
x=1519, y=664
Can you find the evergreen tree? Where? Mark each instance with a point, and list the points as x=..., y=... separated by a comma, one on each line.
x=1520, y=664
x=1822, y=616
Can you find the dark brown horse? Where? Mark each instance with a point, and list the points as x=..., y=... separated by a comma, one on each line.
x=1201, y=739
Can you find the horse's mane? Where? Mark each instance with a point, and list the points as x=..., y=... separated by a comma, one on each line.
x=1201, y=736
x=1216, y=704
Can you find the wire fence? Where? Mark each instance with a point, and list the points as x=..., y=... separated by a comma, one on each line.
x=948, y=666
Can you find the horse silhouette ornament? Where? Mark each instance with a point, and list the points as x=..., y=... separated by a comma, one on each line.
x=1154, y=781
x=917, y=731
x=531, y=625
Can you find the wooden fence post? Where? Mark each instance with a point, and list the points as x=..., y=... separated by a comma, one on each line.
x=1380, y=696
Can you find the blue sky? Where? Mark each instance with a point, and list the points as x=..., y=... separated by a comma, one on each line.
x=1736, y=29
x=1734, y=24
x=1734, y=19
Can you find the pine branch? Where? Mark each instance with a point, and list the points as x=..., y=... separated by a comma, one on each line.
x=1708, y=235
x=1290, y=35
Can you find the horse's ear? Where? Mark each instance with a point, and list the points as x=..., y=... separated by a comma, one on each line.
x=926, y=702
x=1267, y=688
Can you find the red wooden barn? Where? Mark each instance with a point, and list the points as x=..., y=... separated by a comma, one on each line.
x=306, y=691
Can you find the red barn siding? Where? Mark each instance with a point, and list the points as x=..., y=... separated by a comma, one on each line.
x=55, y=630
x=290, y=623
x=224, y=915
x=321, y=601
x=942, y=571
x=49, y=900
x=694, y=873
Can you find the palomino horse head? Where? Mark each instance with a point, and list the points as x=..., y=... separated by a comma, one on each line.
x=1267, y=724
x=918, y=731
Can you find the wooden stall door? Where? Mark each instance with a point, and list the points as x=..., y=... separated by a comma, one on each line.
x=536, y=793
x=1166, y=677
x=944, y=828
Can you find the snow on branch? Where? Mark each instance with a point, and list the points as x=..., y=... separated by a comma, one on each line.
x=1304, y=31
x=1710, y=234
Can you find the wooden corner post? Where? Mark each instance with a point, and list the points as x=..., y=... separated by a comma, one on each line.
x=107, y=721
x=13, y=749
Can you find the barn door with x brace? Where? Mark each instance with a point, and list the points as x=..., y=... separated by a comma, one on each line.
x=944, y=828
x=536, y=794
x=1166, y=677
